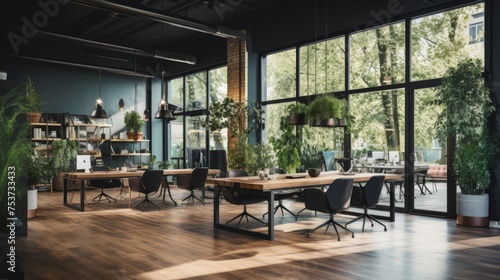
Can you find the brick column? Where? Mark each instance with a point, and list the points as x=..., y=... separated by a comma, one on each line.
x=236, y=76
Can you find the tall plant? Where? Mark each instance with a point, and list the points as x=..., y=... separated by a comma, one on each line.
x=15, y=147
x=467, y=107
x=64, y=155
x=287, y=146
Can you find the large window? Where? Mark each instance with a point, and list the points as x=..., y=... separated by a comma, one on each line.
x=377, y=56
x=281, y=76
x=440, y=40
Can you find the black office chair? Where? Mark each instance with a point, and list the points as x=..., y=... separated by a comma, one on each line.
x=195, y=181
x=148, y=184
x=367, y=197
x=104, y=184
x=281, y=195
x=239, y=198
x=337, y=198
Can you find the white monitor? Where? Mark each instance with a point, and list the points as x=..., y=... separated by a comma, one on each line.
x=394, y=156
x=83, y=163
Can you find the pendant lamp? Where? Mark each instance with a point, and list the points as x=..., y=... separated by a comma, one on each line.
x=99, y=111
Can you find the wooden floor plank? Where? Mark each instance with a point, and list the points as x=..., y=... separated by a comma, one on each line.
x=111, y=241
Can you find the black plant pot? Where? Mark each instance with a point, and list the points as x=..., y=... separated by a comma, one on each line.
x=331, y=122
x=298, y=119
x=313, y=172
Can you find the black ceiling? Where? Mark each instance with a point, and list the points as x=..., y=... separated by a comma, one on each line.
x=127, y=34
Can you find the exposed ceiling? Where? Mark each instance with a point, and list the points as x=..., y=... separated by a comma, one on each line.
x=127, y=35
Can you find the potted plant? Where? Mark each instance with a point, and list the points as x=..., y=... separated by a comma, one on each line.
x=467, y=107
x=297, y=113
x=325, y=110
x=347, y=118
x=311, y=160
x=287, y=146
x=63, y=159
x=39, y=171
x=34, y=102
x=260, y=157
x=133, y=124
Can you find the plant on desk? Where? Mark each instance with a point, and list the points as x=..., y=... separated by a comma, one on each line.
x=311, y=160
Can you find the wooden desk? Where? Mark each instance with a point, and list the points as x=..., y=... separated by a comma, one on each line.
x=253, y=184
x=116, y=175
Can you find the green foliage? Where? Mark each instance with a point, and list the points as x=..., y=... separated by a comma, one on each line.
x=39, y=170
x=287, y=146
x=325, y=106
x=63, y=155
x=164, y=164
x=311, y=157
x=15, y=147
x=467, y=107
x=133, y=121
x=34, y=100
x=259, y=156
x=297, y=108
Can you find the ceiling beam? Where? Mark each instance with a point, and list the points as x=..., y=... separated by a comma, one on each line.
x=170, y=19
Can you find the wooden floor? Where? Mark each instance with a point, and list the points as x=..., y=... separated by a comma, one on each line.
x=111, y=241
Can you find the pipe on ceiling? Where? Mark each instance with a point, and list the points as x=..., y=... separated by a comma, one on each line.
x=170, y=56
x=167, y=19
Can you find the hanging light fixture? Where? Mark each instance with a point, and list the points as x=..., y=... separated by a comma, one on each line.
x=121, y=104
x=99, y=111
x=163, y=110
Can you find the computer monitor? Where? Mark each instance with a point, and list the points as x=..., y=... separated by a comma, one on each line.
x=393, y=157
x=83, y=163
x=197, y=158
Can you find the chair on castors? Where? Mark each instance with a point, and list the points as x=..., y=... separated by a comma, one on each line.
x=283, y=194
x=238, y=198
x=367, y=197
x=193, y=182
x=104, y=184
x=148, y=183
x=337, y=198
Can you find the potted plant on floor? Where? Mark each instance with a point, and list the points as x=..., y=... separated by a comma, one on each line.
x=133, y=124
x=467, y=107
x=63, y=159
x=39, y=171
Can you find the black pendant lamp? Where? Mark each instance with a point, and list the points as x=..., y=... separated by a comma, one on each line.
x=99, y=111
x=121, y=104
x=163, y=111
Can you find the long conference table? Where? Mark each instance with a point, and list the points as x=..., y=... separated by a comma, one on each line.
x=82, y=176
x=253, y=184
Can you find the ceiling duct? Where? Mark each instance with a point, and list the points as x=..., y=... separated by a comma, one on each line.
x=167, y=19
x=170, y=56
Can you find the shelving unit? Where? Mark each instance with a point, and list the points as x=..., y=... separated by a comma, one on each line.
x=88, y=133
x=137, y=151
x=48, y=129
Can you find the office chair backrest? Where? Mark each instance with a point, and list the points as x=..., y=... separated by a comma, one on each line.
x=328, y=160
x=198, y=177
x=236, y=173
x=372, y=190
x=151, y=179
x=339, y=194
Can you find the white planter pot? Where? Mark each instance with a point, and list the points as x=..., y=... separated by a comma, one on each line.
x=472, y=210
x=32, y=203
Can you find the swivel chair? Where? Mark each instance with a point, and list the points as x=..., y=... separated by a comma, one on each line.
x=367, y=197
x=336, y=199
x=238, y=198
x=283, y=194
x=195, y=181
x=148, y=184
x=104, y=184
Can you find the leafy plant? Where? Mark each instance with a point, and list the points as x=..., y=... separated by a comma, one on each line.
x=64, y=155
x=133, y=122
x=287, y=146
x=15, y=147
x=325, y=106
x=39, y=170
x=164, y=164
x=259, y=156
x=467, y=106
x=311, y=157
x=347, y=116
x=34, y=100
x=297, y=108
